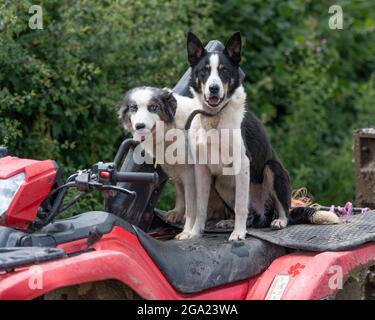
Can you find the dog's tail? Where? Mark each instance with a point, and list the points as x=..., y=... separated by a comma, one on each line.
x=297, y=215
x=308, y=215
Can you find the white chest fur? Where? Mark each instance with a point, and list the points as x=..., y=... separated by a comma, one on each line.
x=218, y=139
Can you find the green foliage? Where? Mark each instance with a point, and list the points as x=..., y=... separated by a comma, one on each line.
x=167, y=199
x=312, y=86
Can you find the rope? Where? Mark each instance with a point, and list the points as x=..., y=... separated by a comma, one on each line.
x=301, y=197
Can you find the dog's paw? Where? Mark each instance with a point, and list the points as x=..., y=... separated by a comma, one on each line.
x=225, y=224
x=237, y=235
x=278, y=224
x=174, y=216
x=184, y=235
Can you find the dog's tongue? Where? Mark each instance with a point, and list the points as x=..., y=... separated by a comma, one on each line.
x=213, y=101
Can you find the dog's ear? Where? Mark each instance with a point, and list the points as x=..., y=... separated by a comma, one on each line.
x=123, y=113
x=169, y=103
x=195, y=48
x=233, y=47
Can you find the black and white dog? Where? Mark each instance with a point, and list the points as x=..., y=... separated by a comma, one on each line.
x=150, y=114
x=261, y=185
x=153, y=116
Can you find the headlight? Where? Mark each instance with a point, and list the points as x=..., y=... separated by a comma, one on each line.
x=8, y=188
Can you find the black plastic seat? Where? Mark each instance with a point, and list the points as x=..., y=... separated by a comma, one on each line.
x=199, y=264
x=78, y=227
x=96, y=223
x=11, y=258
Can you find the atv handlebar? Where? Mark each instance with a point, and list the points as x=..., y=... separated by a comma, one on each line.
x=102, y=177
x=136, y=177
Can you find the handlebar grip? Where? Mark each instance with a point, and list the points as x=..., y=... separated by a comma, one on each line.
x=137, y=177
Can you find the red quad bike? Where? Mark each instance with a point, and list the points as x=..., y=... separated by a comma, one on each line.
x=127, y=250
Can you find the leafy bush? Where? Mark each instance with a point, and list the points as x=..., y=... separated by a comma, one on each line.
x=60, y=87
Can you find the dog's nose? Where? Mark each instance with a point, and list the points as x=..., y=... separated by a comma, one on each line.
x=214, y=89
x=139, y=126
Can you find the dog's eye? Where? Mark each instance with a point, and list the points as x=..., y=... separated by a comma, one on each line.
x=202, y=73
x=224, y=70
x=153, y=108
x=133, y=108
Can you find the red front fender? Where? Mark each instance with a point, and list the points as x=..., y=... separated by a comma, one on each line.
x=118, y=255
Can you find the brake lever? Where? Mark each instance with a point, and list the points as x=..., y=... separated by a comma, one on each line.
x=87, y=181
x=105, y=187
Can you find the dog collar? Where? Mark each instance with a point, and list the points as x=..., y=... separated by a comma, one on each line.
x=202, y=112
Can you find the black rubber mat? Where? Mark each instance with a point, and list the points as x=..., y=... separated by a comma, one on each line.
x=350, y=233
